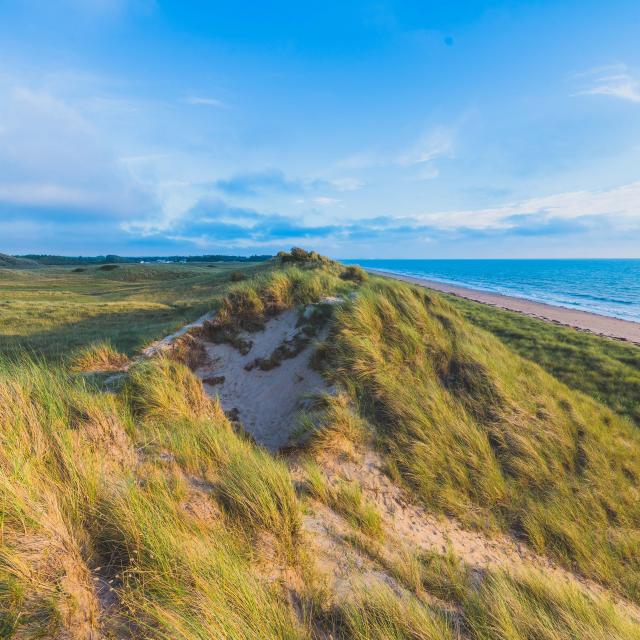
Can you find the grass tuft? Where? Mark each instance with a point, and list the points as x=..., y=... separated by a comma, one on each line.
x=100, y=356
x=532, y=606
x=382, y=614
x=346, y=499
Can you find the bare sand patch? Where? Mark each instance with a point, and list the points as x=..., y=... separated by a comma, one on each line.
x=265, y=401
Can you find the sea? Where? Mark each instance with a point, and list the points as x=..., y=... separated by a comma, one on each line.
x=606, y=287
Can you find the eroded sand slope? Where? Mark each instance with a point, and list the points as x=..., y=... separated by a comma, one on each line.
x=266, y=402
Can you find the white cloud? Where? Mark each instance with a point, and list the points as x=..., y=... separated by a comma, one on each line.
x=436, y=143
x=325, y=201
x=206, y=102
x=347, y=184
x=621, y=203
x=428, y=172
x=362, y=160
x=51, y=156
x=614, y=80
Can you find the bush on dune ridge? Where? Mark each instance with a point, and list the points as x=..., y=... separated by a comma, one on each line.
x=485, y=435
x=249, y=304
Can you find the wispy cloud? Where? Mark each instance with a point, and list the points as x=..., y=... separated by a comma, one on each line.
x=362, y=160
x=51, y=156
x=259, y=182
x=347, y=184
x=206, y=102
x=620, y=204
x=420, y=157
x=613, y=80
x=434, y=144
x=325, y=201
x=255, y=183
x=570, y=214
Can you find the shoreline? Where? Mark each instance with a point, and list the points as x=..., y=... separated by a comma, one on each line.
x=606, y=326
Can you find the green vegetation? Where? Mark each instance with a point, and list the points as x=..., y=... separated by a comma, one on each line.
x=380, y=614
x=607, y=370
x=355, y=273
x=103, y=488
x=53, y=260
x=52, y=312
x=143, y=512
x=489, y=437
x=12, y=262
x=524, y=606
x=532, y=606
x=98, y=357
x=345, y=498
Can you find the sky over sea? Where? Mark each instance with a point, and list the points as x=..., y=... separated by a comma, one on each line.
x=426, y=129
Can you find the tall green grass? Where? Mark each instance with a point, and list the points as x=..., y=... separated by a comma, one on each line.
x=53, y=312
x=532, y=606
x=485, y=435
x=144, y=513
x=381, y=614
x=95, y=491
x=607, y=370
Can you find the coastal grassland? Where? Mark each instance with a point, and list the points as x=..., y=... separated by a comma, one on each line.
x=485, y=435
x=606, y=369
x=501, y=606
x=144, y=513
x=125, y=514
x=51, y=312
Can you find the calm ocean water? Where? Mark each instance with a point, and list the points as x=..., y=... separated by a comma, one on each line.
x=607, y=287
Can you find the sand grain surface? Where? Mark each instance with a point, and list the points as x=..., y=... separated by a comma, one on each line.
x=266, y=402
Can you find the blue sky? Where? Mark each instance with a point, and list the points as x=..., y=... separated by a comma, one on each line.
x=361, y=129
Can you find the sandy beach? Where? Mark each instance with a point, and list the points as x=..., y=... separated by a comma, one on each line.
x=581, y=320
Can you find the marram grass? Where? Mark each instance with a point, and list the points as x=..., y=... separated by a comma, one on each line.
x=485, y=435
x=143, y=513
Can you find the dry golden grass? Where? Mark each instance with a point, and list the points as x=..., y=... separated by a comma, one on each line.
x=334, y=428
x=480, y=433
x=97, y=357
x=93, y=486
x=346, y=499
x=142, y=513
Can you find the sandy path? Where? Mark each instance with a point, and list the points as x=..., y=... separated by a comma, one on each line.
x=410, y=525
x=592, y=322
x=165, y=343
x=266, y=401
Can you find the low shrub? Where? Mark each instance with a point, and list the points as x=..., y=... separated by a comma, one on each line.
x=354, y=273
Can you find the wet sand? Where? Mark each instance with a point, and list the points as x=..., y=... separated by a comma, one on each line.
x=581, y=320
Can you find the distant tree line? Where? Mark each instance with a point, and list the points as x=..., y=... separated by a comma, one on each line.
x=113, y=259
